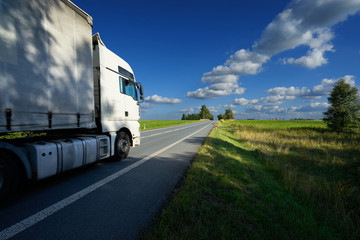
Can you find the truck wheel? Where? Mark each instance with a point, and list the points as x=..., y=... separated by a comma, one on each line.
x=9, y=175
x=122, y=146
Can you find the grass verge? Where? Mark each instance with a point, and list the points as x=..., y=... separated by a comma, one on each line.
x=268, y=180
x=152, y=124
x=21, y=135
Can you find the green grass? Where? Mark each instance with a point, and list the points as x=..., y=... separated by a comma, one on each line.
x=152, y=124
x=21, y=135
x=268, y=180
x=281, y=124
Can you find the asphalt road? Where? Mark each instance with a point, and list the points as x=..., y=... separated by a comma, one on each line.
x=108, y=200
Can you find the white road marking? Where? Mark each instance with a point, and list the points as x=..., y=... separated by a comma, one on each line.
x=186, y=124
x=156, y=134
x=39, y=216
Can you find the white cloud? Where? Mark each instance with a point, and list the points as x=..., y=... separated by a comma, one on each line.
x=146, y=105
x=324, y=88
x=306, y=22
x=318, y=91
x=303, y=22
x=282, y=34
x=243, y=101
x=269, y=100
x=318, y=107
x=213, y=109
x=224, y=78
x=276, y=99
x=314, y=58
x=291, y=91
x=318, y=45
x=256, y=108
x=239, y=91
x=216, y=90
x=162, y=100
x=242, y=62
x=187, y=110
x=266, y=109
x=229, y=105
x=313, y=107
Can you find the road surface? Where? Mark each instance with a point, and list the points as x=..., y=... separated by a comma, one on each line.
x=109, y=200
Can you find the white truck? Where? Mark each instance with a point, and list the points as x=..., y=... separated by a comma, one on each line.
x=59, y=80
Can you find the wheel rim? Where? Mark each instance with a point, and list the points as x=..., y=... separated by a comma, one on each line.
x=123, y=145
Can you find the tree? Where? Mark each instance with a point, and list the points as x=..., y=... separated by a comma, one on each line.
x=343, y=115
x=205, y=113
x=228, y=114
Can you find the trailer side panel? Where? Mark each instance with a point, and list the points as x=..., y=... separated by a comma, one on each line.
x=46, y=76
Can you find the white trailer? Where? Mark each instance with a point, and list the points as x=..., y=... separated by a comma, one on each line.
x=59, y=80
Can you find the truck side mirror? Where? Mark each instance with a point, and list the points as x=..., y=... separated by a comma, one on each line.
x=140, y=87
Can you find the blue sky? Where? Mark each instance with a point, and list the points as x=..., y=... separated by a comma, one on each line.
x=263, y=59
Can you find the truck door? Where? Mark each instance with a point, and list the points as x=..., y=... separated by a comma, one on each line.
x=130, y=100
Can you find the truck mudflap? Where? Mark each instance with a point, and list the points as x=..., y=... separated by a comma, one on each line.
x=136, y=141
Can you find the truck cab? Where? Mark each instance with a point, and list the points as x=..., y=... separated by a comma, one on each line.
x=116, y=94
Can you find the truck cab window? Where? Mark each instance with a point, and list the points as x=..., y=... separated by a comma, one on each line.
x=130, y=89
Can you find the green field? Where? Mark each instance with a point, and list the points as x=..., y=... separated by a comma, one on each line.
x=268, y=180
x=152, y=124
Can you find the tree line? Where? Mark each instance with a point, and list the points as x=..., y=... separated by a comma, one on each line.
x=204, y=114
x=227, y=116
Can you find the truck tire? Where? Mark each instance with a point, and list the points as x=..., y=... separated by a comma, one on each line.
x=122, y=146
x=9, y=175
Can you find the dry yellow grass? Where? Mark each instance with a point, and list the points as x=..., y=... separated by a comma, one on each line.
x=322, y=167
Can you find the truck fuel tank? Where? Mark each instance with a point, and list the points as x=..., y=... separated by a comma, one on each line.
x=70, y=154
x=43, y=158
x=48, y=158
